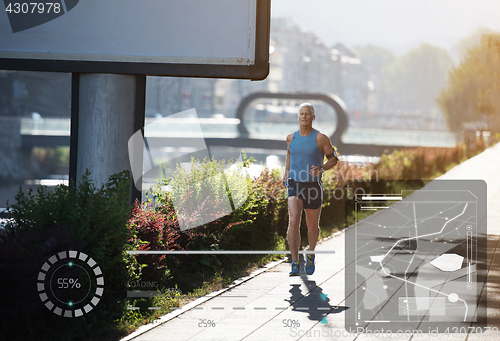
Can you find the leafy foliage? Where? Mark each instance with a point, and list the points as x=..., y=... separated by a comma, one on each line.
x=84, y=218
x=473, y=92
x=414, y=80
x=419, y=163
x=256, y=220
x=375, y=58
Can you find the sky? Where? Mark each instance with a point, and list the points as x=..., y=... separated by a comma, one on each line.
x=395, y=24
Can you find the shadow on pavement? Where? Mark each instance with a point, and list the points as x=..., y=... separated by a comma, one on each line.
x=315, y=303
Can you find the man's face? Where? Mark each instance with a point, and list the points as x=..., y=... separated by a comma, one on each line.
x=306, y=116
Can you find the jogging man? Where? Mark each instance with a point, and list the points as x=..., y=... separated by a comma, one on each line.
x=304, y=165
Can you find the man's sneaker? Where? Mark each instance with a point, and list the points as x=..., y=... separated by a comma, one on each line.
x=310, y=267
x=295, y=269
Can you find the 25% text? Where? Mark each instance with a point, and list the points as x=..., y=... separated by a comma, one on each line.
x=204, y=323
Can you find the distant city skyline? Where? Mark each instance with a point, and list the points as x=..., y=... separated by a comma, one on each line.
x=393, y=24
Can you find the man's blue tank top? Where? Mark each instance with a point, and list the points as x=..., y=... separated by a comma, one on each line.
x=305, y=153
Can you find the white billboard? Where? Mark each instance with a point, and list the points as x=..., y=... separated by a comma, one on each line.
x=150, y=36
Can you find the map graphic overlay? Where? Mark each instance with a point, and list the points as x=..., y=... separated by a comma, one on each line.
x=415, y=258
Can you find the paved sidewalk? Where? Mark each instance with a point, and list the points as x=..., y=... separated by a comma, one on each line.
x=273, y=306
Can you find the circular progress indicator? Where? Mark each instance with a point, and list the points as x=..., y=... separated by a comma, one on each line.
x=70, y=284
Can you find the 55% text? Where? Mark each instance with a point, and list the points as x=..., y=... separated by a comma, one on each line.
x=65, y=283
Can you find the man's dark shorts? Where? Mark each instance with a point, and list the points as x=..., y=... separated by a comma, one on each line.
x=311, y=193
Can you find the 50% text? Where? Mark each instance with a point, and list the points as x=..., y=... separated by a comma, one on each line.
x=289, y=323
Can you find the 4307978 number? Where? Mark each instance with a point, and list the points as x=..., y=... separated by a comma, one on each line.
x=33, y=7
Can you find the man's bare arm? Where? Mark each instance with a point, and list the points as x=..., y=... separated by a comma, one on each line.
x=326, y=147
x=286, y=173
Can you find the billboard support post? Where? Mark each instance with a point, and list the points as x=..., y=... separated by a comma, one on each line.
x=110, y=110
x=73, y=142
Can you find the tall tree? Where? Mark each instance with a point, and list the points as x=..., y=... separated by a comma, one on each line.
x=374, y=57
x=474, y=39
x=413, y=81
x=473, y=92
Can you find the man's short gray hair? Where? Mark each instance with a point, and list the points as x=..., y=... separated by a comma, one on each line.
x=307, y=105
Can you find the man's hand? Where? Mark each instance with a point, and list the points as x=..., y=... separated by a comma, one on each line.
x=283, y=181
x=315, y=171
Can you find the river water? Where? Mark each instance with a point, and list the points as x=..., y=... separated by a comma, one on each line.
x=227, y=128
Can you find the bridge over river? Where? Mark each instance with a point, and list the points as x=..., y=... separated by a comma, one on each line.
x=223, y=132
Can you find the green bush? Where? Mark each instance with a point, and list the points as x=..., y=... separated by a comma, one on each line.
x=420, y=163
x=257, y=221
x=84, y=218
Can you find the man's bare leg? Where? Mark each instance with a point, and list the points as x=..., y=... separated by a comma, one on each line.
x=295, y=206
x=312, y=221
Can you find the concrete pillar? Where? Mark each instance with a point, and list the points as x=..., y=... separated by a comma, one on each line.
x=105, y=123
